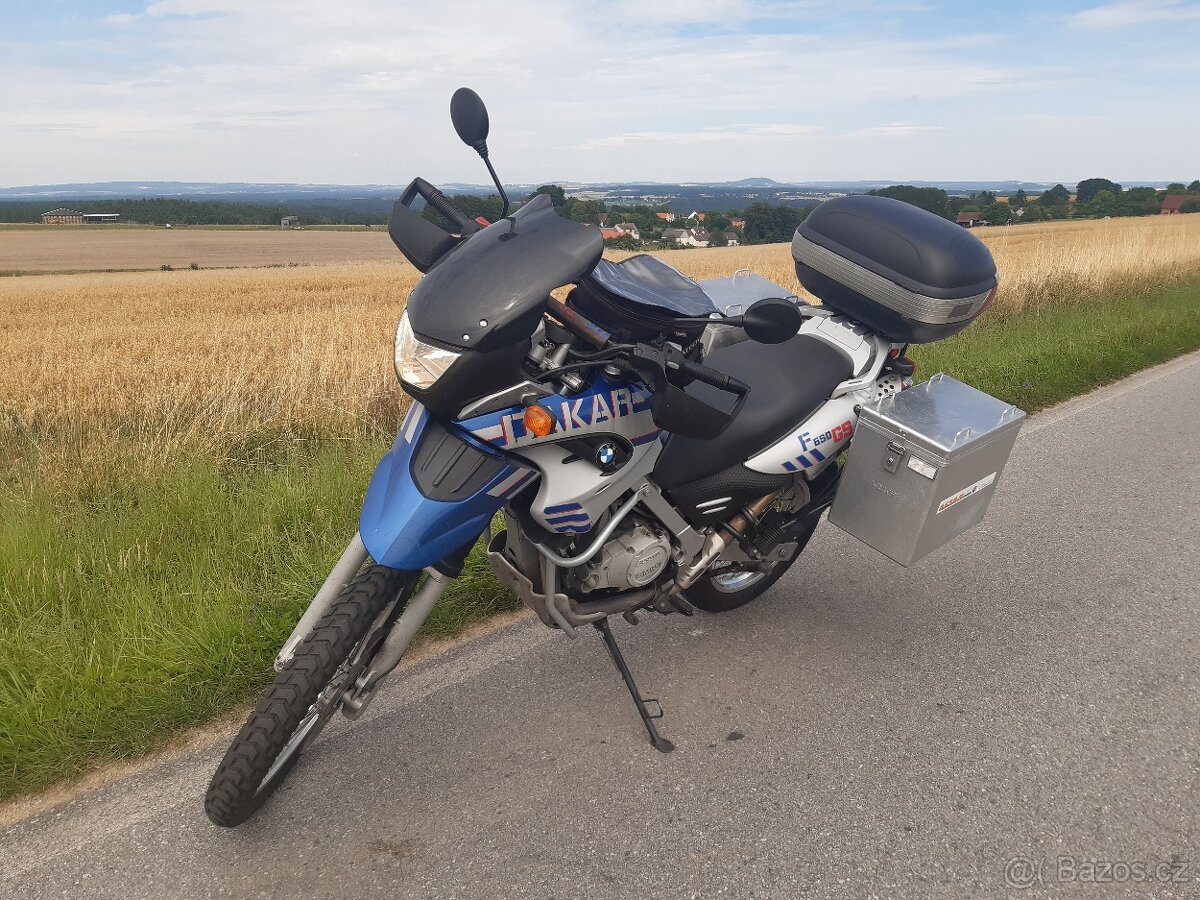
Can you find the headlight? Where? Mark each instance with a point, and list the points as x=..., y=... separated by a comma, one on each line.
x=418, y=363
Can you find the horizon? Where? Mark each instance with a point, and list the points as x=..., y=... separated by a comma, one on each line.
x=356, y=92
x=203, y=189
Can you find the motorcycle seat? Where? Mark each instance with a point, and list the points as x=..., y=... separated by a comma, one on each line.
x=787, y=381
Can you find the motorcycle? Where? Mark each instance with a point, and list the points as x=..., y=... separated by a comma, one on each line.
x=653, y=443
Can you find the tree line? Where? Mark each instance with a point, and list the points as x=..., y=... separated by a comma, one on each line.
x=1094, y=198
x=764, y=222
x=161, y=210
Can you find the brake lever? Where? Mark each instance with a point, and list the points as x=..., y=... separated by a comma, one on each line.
x=650, y=363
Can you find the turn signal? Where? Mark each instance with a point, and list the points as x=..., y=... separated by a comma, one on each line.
x=539, y=421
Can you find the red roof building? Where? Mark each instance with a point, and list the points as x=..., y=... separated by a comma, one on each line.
x=610, y=233
x=1173, y=203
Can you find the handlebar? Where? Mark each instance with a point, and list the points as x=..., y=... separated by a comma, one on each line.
x=578, y=324
x=673, y=409
x=440, y=203
x=664, y=359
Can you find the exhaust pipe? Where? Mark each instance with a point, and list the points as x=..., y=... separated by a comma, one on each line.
x=721, y=537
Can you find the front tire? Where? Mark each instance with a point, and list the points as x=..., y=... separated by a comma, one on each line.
x=725, y=589
x=305, y=695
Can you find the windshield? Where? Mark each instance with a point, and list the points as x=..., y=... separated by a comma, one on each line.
x=480, y=294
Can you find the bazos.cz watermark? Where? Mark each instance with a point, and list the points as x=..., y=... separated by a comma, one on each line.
x=1027, y=871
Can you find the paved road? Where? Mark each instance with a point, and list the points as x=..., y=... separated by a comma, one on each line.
x=863, y=731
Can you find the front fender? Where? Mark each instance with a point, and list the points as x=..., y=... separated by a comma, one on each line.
x=433, y=492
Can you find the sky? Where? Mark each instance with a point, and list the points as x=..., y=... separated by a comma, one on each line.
x=357, y=91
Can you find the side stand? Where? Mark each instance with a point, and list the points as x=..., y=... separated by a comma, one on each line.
x=659, y=743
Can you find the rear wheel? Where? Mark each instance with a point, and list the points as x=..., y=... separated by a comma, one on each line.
x=724, y=588
x=305, y=695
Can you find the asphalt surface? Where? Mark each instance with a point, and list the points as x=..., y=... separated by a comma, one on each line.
x=1029, y=692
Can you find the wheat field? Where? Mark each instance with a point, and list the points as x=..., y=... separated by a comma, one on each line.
x=36, y=249
x=107, y=371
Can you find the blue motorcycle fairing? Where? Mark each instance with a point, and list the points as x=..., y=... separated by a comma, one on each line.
x=403, y=529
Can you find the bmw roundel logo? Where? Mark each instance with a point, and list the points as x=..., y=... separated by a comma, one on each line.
x=606, y=454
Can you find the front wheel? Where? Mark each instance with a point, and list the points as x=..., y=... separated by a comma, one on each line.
x=305, y=695
x=725, y=588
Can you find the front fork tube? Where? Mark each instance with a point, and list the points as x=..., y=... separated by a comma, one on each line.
x=339, y=576
x=400, y=637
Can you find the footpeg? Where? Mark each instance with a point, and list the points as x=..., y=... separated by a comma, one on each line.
x=681, y=605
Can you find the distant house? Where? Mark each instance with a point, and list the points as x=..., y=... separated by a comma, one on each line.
x=602, y=220
x=291, y=222
x=62, y=216
x=731, y=239
x=970, y=219
x=628, y=228
x=697, y=215
x=609, y=234
x=100, y=218
x=1172, y=204
x=666, y=216
x=686, y=237
x=737, y=223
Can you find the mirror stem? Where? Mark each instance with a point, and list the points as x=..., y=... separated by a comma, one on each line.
x=482, y=150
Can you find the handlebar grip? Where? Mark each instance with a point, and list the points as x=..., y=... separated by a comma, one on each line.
x=440, y=203
x=719, y=380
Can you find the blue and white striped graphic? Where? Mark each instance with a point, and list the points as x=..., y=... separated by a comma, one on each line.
x=567, y=517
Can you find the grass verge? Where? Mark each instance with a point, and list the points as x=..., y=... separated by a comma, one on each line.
x=1040, y=358
x=131, y=611
x=134, y=609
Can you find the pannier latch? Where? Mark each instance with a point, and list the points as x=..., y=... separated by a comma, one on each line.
x=892, y=456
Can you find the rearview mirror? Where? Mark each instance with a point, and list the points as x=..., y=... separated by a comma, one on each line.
x=772, y=321
x=470, y=117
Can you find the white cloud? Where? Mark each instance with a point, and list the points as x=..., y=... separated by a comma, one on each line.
x=894, y=129
x=681, y=11
x=190, y=8
x=1135, y=12
x=357, y=91
x=716, y=135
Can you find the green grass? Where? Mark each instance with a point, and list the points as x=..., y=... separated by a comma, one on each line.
x=1044, y=357
x=140, y=606
x=131, y=611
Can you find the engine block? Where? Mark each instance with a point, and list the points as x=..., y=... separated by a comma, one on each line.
x=631, y=559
